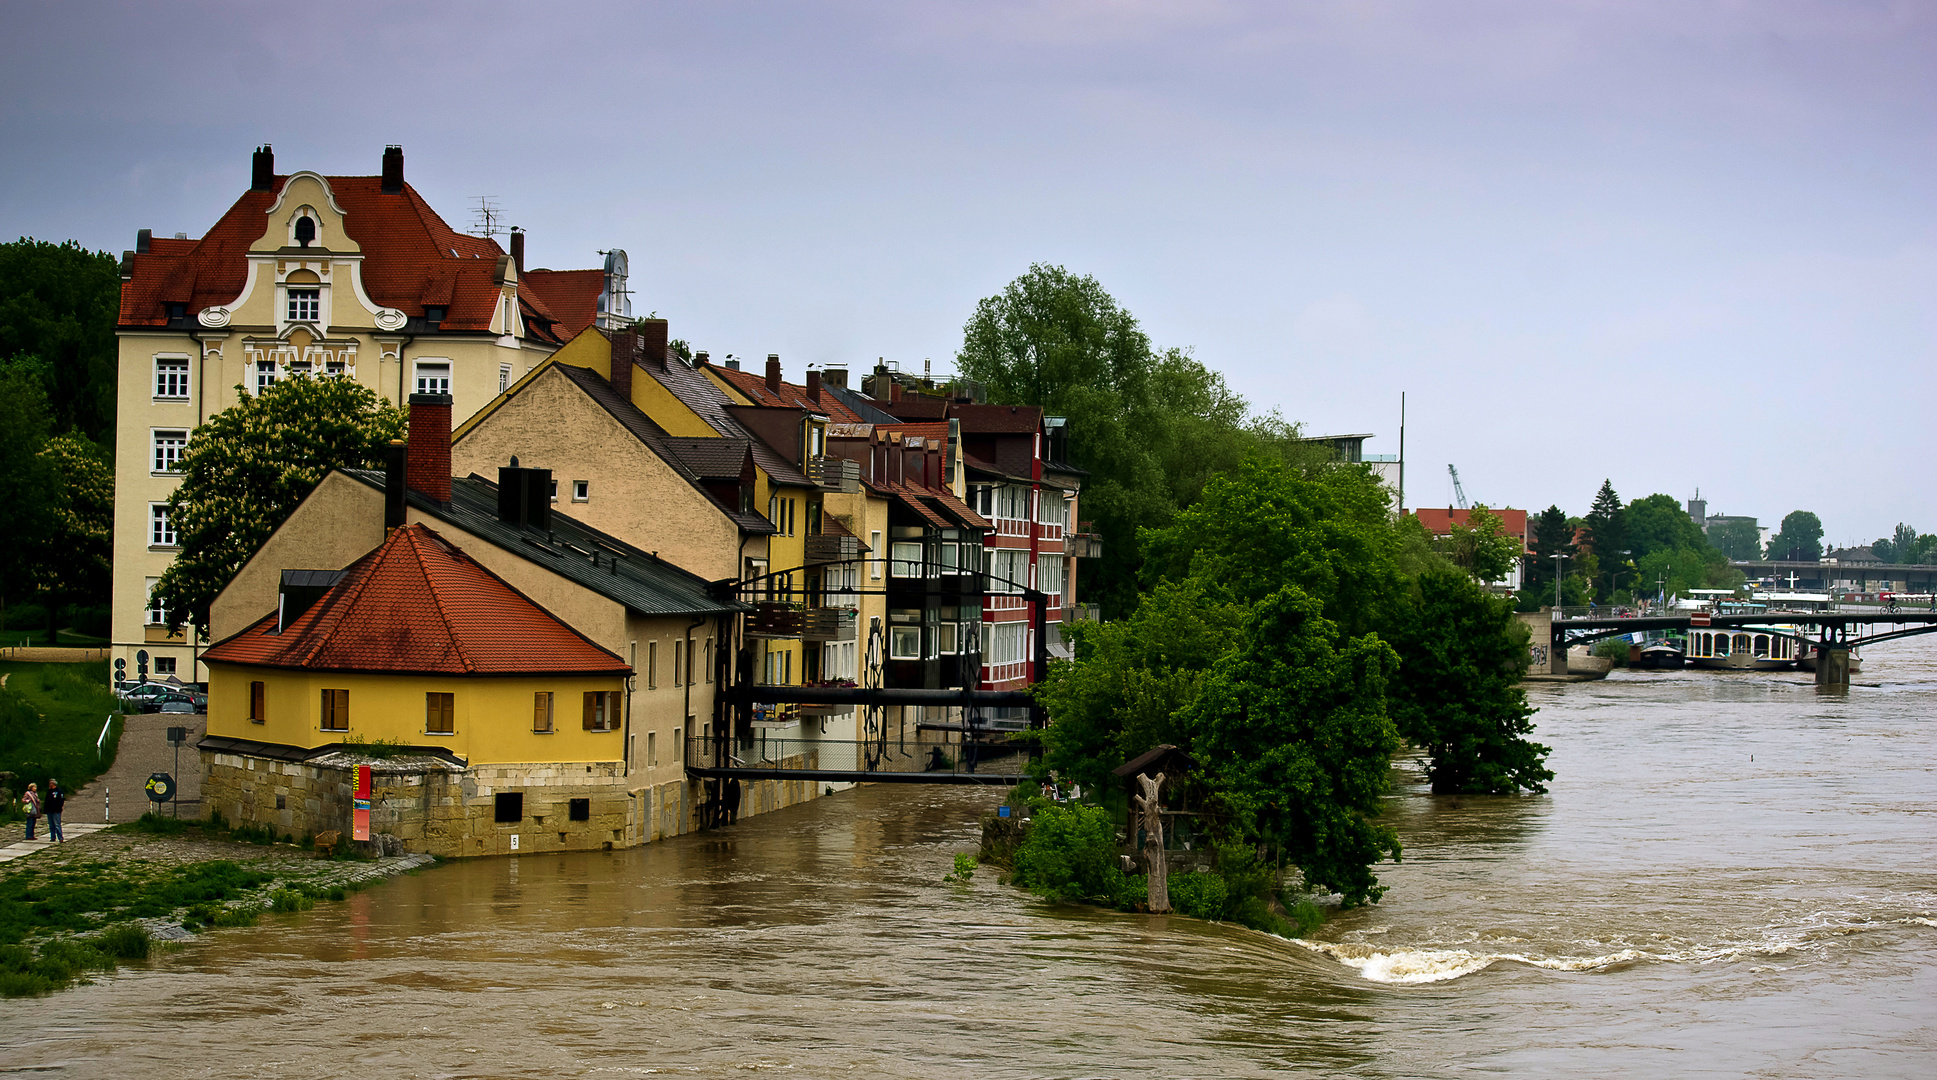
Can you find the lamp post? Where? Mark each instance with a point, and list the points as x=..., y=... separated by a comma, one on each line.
x=1557, y=561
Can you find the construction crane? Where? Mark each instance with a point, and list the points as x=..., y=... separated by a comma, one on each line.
x=1458, y=492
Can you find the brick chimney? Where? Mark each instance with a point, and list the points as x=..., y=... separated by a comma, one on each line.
x=894, y=392
x=395, y=457
x=773, y=373
x=625, y=346
x=653, y=342
x=428, y=471
x=518, y=249
x=393, y=169
x=814, y=387
x=262, y=169
x=835, y=376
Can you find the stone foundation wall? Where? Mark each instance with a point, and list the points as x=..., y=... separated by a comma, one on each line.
x=441, y=809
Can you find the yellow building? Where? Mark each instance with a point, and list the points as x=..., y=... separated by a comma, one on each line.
x=355, y=276
x=493, y=725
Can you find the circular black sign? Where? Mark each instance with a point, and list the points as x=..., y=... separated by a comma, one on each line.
x=161, y=787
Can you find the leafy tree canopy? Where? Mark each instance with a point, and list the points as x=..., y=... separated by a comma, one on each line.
x=1481, y=546
x=59, y=304
x=1800, y=539
x=74, y=555
x=26, y=477
x=1150, y=426
x=1659, y=523
x=1736, y=539
x=248, y=467
x=1552, y=535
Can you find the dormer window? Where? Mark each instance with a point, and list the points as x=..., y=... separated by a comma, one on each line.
x=305, y=305
x=434, y=314
x=305, y=231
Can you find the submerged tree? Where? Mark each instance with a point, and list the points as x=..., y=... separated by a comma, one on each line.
x=248, y=467
x=1463, y=653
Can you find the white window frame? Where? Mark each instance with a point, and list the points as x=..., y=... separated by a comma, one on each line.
x=155, y=616
x=874, y=549
x=581, y=491
x=171, y=373
x=904, y=641
x=165, y=448
x=161, y=532
x=504, y=377
x=1007, y=643
x=1008, y=565
x=425, y=375
x=303, y=303
x=903, y=567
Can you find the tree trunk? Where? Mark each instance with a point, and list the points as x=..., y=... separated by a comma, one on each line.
x=1158, y=873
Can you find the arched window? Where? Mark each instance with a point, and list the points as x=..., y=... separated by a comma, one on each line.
x=1762, y=646
x=305, y=231
x=1740, y=644
x=1721, y=644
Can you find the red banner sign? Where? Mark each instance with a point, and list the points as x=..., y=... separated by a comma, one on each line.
x=360, y=826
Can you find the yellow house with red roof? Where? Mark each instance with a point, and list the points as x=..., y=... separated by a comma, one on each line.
x=489, y=724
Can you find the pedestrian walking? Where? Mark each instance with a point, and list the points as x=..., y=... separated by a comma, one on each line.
x=56, y=802
x=31, y=803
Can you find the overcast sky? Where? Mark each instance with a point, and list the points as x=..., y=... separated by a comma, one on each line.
x=1674, y=244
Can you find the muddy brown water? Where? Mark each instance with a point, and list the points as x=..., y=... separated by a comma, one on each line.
x=1732, y=876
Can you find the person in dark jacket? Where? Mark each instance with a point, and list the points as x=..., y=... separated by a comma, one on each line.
x=56, y=802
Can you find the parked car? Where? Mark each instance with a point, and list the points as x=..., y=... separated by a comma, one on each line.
x=141, y=691
x=157, y=702
x=178, y=707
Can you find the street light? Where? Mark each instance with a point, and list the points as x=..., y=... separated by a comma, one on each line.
x=1557, y=559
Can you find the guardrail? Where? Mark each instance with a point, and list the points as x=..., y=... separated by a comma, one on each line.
x=926, y=757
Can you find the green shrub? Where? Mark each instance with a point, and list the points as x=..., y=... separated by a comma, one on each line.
x=286, y=900
x=964, y=869
x=1199, y=895
x=126, y=941
x=1070, y=853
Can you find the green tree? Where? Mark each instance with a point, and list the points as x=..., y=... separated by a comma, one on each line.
x=1463, y=653
x=1151, y=427
x=1293, y=738
x=248, y=467
x=1736, y=538
x=1607, y=535
x=1800, y=539
x=74, y=554
x=1481, y=546
x=60, y=303
x=1658, y=523
x=26, y=478
x=1552, y=535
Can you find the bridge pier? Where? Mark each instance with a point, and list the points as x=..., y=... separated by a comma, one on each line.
x=1833, y=668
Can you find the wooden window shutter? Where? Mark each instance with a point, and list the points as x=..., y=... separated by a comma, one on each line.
x=591, y=709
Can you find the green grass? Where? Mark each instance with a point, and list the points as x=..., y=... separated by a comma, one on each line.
x=50, y=715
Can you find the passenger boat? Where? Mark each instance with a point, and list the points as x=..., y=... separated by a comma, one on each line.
x=1748, y=648
x=1660, y=653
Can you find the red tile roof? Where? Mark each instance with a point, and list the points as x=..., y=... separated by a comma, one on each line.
x=411, y=258
x=569, y=297
x=791, y=395
x=417, y=604
x=998, y=419
x=1440, y=522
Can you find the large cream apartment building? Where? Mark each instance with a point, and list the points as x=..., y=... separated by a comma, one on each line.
x=310, y=274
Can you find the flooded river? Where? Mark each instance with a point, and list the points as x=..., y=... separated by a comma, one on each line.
x=1733, y=875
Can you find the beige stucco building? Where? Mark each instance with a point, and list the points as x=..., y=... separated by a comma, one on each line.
x=355, y=276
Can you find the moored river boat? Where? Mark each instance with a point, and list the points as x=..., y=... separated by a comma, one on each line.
x=1758, y=648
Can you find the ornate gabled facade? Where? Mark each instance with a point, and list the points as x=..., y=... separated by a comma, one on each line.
x=349, y=276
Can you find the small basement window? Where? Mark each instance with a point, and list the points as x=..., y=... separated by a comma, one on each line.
x=511, y=807
x=581, y=810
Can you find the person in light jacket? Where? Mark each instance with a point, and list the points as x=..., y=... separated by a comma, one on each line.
x=30, y=802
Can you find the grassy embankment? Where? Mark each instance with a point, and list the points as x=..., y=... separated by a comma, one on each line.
x=50, y=717
x=61, y=919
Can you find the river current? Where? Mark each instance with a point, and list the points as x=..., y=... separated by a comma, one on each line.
x=1732, y=875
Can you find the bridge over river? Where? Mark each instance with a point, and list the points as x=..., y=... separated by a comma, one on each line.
x=1836, y=632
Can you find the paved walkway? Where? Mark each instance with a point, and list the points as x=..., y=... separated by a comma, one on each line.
x=120, y=794
x=70, y=829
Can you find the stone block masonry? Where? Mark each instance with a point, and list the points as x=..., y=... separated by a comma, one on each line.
x=437, y=808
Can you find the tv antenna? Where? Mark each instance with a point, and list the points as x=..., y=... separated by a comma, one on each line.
x=486, y=216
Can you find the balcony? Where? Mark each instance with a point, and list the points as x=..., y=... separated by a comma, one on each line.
x=1083, y=545
x=1075, y=613
x=771, y=620
x=835, y=474
x=828, y=548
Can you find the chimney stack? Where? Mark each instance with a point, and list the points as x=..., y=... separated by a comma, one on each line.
x=835, y=376
x=894, y=392
x=393, y=169
x=428, y=470
x=394, y=457
x=773, y=372
x=653, y=342
x=142, y=239
x=518, y=249
x=814, y=387
x=625, y=346
x=701, y=358
x=262, y=169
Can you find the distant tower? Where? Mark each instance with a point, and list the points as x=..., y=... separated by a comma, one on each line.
x=1698, y=509
x=615, y=300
